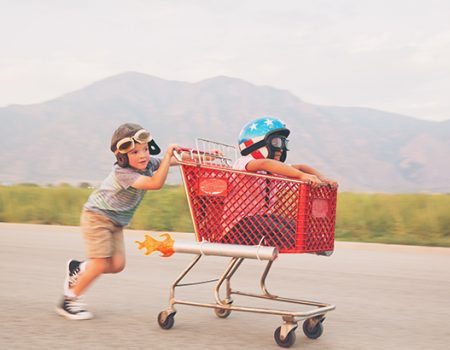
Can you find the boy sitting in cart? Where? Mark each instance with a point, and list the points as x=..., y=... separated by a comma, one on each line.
x=263, y=145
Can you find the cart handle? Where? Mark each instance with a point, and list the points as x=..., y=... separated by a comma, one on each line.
x=179, y=151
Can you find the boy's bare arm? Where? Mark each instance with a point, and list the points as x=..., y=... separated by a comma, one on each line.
x=310, y=170
x=158, y=179
x=279, y=168
x=307, y=169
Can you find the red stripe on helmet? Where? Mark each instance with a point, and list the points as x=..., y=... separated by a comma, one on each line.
x=257, y=155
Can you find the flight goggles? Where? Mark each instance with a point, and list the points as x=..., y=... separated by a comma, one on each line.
x=278, y=142
x=126, y=144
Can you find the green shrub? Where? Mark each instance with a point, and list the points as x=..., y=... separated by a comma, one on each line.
x=394, y=218
x=420, y=219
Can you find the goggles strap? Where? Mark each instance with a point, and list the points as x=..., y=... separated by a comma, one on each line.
x=253, y=147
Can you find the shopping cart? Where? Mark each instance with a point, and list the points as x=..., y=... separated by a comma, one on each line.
x=234, y=208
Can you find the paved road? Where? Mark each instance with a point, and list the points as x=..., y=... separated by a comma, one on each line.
x=387, y=297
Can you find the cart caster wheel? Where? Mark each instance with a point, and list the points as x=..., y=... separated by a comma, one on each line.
x=313, y=332
x=288, y=341
x=222, y=313
x=166, y=322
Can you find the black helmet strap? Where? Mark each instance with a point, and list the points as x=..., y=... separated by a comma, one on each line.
x=254, y=147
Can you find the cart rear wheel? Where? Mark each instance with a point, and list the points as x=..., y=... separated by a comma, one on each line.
x=166, y=322
x=313, y=332
x=288, y=341
x=222, y=313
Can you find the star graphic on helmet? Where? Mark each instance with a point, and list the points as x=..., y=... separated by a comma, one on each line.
x=269, y=123
x=253, y=126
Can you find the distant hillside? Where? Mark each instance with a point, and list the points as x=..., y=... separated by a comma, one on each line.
x=67, y=139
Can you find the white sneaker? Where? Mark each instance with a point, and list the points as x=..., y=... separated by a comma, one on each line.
x=72, y=272
x=73, y=309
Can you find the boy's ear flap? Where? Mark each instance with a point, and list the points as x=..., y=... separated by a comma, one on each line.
x=153, y=148
x=122, y=160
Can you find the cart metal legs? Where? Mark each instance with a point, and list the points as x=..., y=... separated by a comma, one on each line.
x=284, y=335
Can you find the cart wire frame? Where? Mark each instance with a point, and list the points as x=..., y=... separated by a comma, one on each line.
x=238, y=207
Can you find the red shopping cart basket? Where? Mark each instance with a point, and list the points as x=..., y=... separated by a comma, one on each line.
x=229, y=206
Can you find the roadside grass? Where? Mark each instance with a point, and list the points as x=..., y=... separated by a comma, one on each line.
x=413, y=219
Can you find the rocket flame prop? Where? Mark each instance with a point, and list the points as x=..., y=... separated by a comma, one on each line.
x=152, y=245
x=168, y=246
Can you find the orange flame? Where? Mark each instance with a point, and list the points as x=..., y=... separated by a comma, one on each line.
x=165, y=246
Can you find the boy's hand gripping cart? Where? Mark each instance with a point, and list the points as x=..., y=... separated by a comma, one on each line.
x=244, y=215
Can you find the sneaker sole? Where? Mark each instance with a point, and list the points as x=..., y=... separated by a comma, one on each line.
x=65, y=314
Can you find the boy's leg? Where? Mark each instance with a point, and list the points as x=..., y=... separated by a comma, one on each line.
x=95, y=267
x=98, y=235
x=116, y=263
x=117, y=260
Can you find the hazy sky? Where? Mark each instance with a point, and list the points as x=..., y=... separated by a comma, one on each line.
x=391, y=55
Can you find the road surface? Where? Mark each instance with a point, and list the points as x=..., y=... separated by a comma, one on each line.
x=386, y=297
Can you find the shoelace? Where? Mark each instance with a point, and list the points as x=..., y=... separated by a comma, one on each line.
x=76, y=304
x=73, y=277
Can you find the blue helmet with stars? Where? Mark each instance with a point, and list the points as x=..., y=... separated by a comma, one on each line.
x=262, y=137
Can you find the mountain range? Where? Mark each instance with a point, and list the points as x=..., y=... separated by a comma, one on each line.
x=366, y=150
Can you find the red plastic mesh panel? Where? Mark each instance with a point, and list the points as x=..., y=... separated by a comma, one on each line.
x=243, y=208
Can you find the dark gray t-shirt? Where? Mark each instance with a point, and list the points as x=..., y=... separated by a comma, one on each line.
x=115, y=197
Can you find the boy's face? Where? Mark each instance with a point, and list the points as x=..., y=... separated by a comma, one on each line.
x=139, y=156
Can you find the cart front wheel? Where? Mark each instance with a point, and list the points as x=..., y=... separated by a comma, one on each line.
x=222, y=313
x=166, y=322
x=288, y=341
x=313, y=332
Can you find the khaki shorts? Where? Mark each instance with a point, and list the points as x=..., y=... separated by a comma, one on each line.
x=102, y=237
